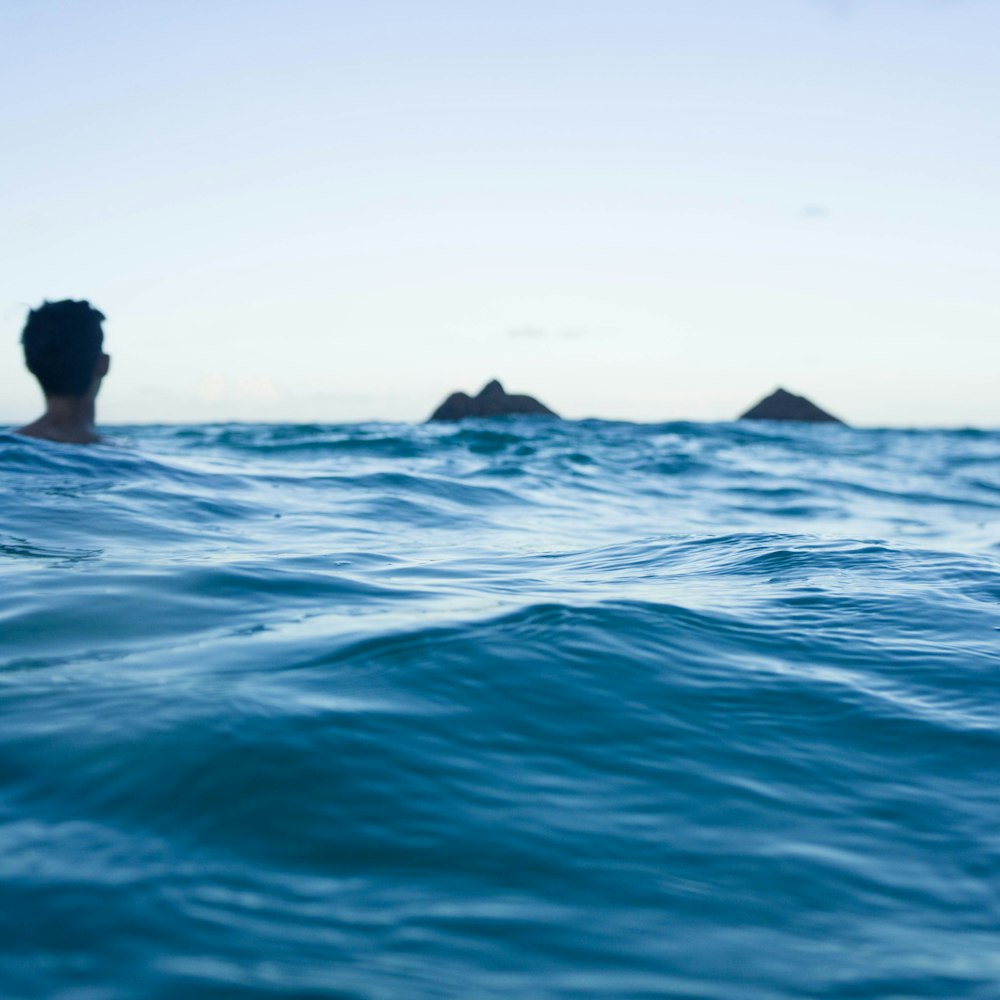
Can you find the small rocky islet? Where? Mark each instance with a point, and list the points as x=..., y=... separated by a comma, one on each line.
x=492, y=401
x=784, y=405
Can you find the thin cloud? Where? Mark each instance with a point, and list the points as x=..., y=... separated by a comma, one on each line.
x=539, y=333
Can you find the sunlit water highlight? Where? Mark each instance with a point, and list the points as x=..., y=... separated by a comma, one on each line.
x=507, y=709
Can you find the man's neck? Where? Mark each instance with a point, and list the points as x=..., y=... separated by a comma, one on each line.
x=69, y=419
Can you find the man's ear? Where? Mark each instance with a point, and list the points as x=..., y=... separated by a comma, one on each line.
x=103, y=365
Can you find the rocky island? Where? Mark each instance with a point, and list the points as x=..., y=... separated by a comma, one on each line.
x=493, y=401
x=784, y=405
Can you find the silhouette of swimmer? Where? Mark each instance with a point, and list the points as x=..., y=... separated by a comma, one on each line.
x=63, y=349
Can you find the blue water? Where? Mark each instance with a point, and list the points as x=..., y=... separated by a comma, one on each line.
x=504, y=710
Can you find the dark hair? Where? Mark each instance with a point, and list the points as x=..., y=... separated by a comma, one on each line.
x=62, y=342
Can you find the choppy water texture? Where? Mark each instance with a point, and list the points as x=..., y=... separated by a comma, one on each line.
x=513, y=709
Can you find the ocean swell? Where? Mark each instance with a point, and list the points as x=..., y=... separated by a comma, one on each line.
x=517, y=708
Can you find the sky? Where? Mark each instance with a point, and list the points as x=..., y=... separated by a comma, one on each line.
x=640, y=209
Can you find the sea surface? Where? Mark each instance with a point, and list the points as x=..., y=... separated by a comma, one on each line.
x=506, y=709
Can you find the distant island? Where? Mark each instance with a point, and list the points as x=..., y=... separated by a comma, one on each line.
x=492, y=401
x=784, y=405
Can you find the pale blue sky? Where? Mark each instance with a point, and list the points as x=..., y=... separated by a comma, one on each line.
x=650, y=210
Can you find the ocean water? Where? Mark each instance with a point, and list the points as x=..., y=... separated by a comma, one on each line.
x=510, y=709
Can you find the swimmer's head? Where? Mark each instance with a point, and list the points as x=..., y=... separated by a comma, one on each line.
x=63, y=348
